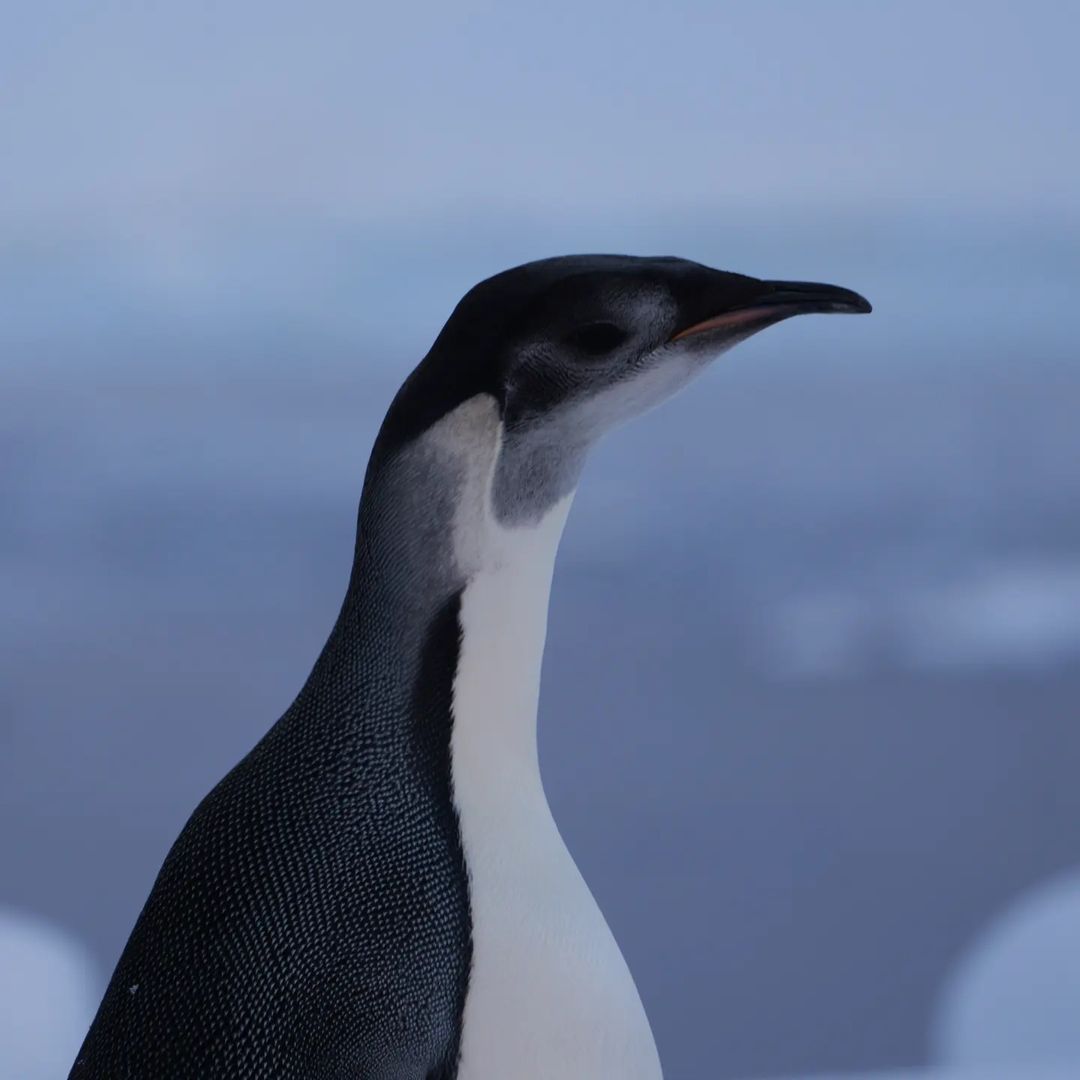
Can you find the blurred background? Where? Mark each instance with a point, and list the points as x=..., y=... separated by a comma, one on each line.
x=811, y=712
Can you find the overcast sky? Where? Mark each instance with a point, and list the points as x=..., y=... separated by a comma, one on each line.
x=389, y=110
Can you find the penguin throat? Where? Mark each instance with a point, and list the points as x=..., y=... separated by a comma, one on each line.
x=505, y=570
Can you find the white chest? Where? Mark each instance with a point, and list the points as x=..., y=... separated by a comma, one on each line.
x=550, y=995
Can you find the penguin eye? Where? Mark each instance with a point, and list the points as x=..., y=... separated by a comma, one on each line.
x=597, y=338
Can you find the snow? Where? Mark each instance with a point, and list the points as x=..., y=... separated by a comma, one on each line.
x=49, y=988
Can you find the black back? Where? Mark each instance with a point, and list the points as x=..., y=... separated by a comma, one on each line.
x=312, y=918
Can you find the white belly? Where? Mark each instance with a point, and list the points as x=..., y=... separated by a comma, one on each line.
x=550, y=995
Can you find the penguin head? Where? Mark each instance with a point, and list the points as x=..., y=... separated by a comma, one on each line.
x=567, y=348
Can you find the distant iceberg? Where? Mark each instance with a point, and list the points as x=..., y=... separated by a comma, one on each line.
x=1020, y=615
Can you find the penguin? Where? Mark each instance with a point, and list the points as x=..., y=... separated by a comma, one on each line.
x=378, y=890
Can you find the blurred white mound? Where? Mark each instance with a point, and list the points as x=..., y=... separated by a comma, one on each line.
x=1011, y=1008
x=1014, y=999
x=49, y=988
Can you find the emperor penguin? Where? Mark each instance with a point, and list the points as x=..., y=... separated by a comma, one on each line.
x=378, y=890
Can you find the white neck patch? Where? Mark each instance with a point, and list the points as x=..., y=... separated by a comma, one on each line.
x=550, y=996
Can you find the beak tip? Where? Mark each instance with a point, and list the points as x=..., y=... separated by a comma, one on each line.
x=860, y=306
x=811, y=297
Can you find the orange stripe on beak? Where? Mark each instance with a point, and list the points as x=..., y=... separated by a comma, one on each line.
x=728, y=319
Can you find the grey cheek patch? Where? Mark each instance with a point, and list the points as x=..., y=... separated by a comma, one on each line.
x=536, y=469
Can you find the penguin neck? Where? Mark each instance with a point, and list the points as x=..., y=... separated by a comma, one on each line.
x=505, y=570
x=429, y=535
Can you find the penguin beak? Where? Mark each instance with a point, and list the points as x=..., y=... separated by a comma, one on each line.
x=780, y=300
